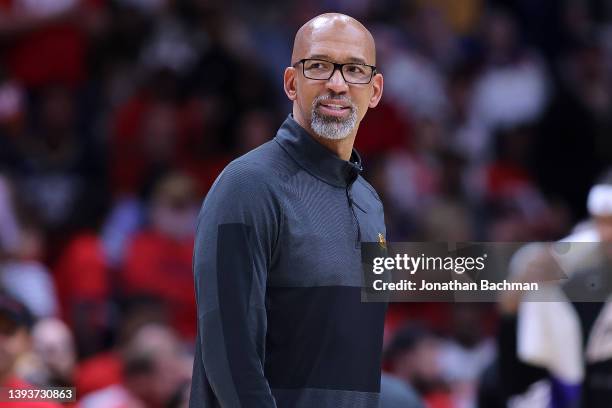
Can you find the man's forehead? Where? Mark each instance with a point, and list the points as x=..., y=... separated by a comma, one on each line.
x=336, y=36
x=331, y=52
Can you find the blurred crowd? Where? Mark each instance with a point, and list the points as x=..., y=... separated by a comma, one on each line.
x=117, y=115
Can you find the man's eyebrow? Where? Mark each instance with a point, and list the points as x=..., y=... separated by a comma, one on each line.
x=356, y=60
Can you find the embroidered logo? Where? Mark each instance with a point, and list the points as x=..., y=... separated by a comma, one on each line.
x=382, y=242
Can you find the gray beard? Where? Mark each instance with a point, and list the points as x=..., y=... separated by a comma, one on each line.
x=330, y=127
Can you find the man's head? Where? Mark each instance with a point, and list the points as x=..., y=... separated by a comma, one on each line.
x=174, y=206
x=332, y=107
x=413, y=356
x=155, y=368
x=53, y=346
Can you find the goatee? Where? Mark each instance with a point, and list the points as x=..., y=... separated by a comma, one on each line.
x=332, y=127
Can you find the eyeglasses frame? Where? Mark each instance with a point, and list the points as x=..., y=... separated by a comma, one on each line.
x=337, y=66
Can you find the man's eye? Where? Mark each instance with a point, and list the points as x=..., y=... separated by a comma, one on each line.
x=355, y=69
x=316, y=65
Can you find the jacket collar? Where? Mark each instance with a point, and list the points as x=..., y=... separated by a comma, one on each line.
x=316, y=158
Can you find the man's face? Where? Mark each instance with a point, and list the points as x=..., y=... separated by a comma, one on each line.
x=420, y=365
x=332, y=108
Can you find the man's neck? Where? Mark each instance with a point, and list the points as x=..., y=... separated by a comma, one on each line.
x=343, y=148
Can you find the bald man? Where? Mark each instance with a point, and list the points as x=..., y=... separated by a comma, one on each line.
x=277, y=258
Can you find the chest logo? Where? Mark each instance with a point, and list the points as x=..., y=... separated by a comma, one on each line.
x=382, y=242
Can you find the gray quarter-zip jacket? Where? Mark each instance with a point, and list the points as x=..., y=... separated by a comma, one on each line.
x=277, y=266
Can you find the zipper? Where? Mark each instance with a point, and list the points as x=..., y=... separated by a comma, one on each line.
x=349, y=197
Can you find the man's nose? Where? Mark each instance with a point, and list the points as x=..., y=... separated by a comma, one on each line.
x=337, y=83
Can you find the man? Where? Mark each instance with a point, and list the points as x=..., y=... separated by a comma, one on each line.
x=15, y=343
x=154, y=371
x=277, y=258
x=560, y=345
x=158, y=259
x=54, y=352
x=413, y=357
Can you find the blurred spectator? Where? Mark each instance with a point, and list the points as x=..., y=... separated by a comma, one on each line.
x=26, y=278
x=105, y=369
x=155, y=371
x=55, y=354
x=153, y=135
x=511, y=90
x=46, y=43
x=22, y=248
x=15, y=325
x=84, y=280
x=58, y=167
x=158, y=260
x=571, y=355
x=575, y=126
x=414, y=357
x=415, y=85
x=467, y=352
x=413, y=175
x=145, y=140
x=170, y=46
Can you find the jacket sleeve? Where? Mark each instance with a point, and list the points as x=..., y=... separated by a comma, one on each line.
x=237, y=231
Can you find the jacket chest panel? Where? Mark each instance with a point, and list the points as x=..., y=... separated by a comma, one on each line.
x=317, y=243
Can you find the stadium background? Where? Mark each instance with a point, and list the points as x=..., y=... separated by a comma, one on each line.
x=116, y=117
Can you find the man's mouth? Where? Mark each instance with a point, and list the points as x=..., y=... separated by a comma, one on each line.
x=334, y=108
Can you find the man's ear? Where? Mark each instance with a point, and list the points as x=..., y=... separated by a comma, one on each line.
x=377, y=90
x=290, y=83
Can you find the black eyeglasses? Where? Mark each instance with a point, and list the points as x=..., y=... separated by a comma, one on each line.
x=353, y=73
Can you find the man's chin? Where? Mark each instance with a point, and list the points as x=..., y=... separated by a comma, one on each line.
x=330, y=131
